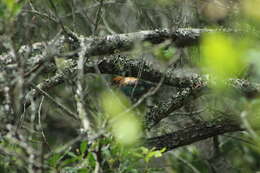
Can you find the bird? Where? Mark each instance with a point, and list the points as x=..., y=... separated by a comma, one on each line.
x=132, y=86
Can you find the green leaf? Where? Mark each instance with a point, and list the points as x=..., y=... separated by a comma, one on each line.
x=83, y=147
x=72, y=154
x=152, y=153
x=69, y=161
x=164, y=54
x=144, y=150
x=91, y=160
x=53, y=161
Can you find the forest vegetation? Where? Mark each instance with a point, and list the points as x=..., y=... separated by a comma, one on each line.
x=129, y=86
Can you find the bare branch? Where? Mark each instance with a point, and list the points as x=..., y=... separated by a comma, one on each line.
x=193, y=134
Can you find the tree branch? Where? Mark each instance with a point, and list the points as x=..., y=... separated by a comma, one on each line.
x=110, y=44
x=193, y=134
x=163, y=109
x=131, y=67
x=124, y=66
x=122, y=42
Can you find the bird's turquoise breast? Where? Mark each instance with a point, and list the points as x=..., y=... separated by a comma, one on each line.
x=132, y=90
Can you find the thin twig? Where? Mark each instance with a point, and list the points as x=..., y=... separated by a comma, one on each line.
x=62, y=107
x=40, y=124
x=98, y=16
x=42, y=15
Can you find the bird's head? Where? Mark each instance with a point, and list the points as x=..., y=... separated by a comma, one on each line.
x=128, y=85
x=123, y=81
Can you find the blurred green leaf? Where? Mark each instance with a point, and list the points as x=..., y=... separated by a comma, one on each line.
x=13, y=7
x=91, y=160
x=164, y=54
x=69, y=161
x=148, y=154
x=83, y=170
x=222, y=57
x=71, y=154
x=126, y=127
x=53, y=161
x=114, y=103
x=83, y=147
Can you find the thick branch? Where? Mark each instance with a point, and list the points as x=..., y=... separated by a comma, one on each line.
x=95, y=46
x=131, y=67
x=163, y=109
x=193, y=134
x=248, y=89
x=122, y=42
x=193, y=84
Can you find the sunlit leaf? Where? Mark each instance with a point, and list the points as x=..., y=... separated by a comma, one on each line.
x=222, y=57
x=151, y=153
x=126, y=129
x=144, y=150
x=125, y=125
x=114, y=103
